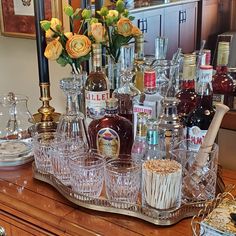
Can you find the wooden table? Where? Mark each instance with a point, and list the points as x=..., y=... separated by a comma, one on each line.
x=30, y=207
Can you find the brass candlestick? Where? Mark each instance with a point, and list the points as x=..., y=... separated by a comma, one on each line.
x=46, y=119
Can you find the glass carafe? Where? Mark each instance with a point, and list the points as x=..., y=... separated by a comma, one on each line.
x=15, y=137
x=71, y=124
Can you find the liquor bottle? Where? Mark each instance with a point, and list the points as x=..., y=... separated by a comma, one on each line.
x=139, y=145
x=150, y=100
x=113, y=134
x=138, y=62
x=200, y=118
x=187, y=95
x=96, y=87
x=154, y=149
x=125, y=95
x=222, y=81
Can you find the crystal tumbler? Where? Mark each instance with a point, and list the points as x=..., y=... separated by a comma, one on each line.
x=62, y=150
x=122, y=181
x=42, y=148
x=87, y=174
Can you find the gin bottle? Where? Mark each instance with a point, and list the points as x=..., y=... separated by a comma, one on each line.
x=139, y=145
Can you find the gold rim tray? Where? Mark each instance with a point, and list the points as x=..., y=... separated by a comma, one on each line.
x=157, y=217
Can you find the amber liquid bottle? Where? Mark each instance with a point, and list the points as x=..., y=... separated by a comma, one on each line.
x=199, y=119
x=113, y=134
x=223, y=86
x=96, y=87
x=138, y=63
x=187, y=95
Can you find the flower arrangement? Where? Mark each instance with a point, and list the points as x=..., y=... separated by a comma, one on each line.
x=67, y=47
x=119, y=29
x=112, y=28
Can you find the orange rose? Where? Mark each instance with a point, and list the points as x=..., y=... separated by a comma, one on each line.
x=136, y=31
x=124, y=27
x=78, y=46
x=53, y=50
x=98, y=32
x=54, y=24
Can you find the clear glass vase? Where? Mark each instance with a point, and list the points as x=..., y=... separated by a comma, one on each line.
x=72, y=124
x=15, y=136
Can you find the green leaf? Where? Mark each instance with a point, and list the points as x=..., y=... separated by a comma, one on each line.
x=131, y=18
x=120, y=6
x=86, y=14
x=45, y=24
x=103, y=11
x=62, y=61
x=68, y=10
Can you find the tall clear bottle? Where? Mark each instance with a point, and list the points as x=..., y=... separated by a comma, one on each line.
x=96, y=87
x=222, y=82
x=154, y=148
x=139, y=145
x=138, y=62
x=200, y=118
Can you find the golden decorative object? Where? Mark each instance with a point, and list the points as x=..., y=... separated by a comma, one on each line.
x=46, y=119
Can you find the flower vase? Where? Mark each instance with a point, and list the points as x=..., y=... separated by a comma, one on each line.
x=113, y=73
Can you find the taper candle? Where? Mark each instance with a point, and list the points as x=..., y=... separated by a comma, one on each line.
x=41, y=42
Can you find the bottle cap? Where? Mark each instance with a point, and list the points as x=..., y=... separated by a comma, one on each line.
x=189, y=59
x=205, y=73
x=149, y=79
x=111, y=103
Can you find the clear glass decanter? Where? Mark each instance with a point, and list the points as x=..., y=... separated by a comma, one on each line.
x=15, y=136
x=71, y=124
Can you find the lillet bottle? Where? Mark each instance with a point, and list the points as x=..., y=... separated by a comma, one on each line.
x=113, y=134
x=96, y=87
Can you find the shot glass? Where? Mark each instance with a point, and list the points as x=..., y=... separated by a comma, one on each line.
x=42, y=148
x=122, y=182
x=87, y=174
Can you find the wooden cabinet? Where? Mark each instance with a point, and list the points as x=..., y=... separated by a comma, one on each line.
x=214, y=19
x=180, y=26
x=178, y=23
x=151, y=24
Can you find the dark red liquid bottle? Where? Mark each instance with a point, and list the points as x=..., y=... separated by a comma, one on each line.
x=199, y=120
x=223, y=86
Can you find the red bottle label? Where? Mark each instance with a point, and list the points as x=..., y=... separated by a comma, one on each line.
x=150, y=79
x=196, y=136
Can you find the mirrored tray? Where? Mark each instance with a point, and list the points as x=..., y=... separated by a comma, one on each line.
x=135, y=210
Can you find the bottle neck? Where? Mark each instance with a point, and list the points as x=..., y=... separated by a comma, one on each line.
x=189, y=73
x=141, y=130
x=110, y=112
x=152, y=137
x=71, y=104
x=139, y=48
x=97, y=57
x=221, y=69
x=187, y=84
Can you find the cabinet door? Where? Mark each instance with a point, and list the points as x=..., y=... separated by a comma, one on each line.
x=154, y=28
x=188, y=27
x=171, y=28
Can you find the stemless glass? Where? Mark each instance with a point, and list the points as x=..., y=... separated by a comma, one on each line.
x=42, y=148
x=198, y=183
x=122, y=181
x=87, y=173
x=62, y=150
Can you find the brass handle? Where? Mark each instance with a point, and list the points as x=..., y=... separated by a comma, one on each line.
x=2, y=231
